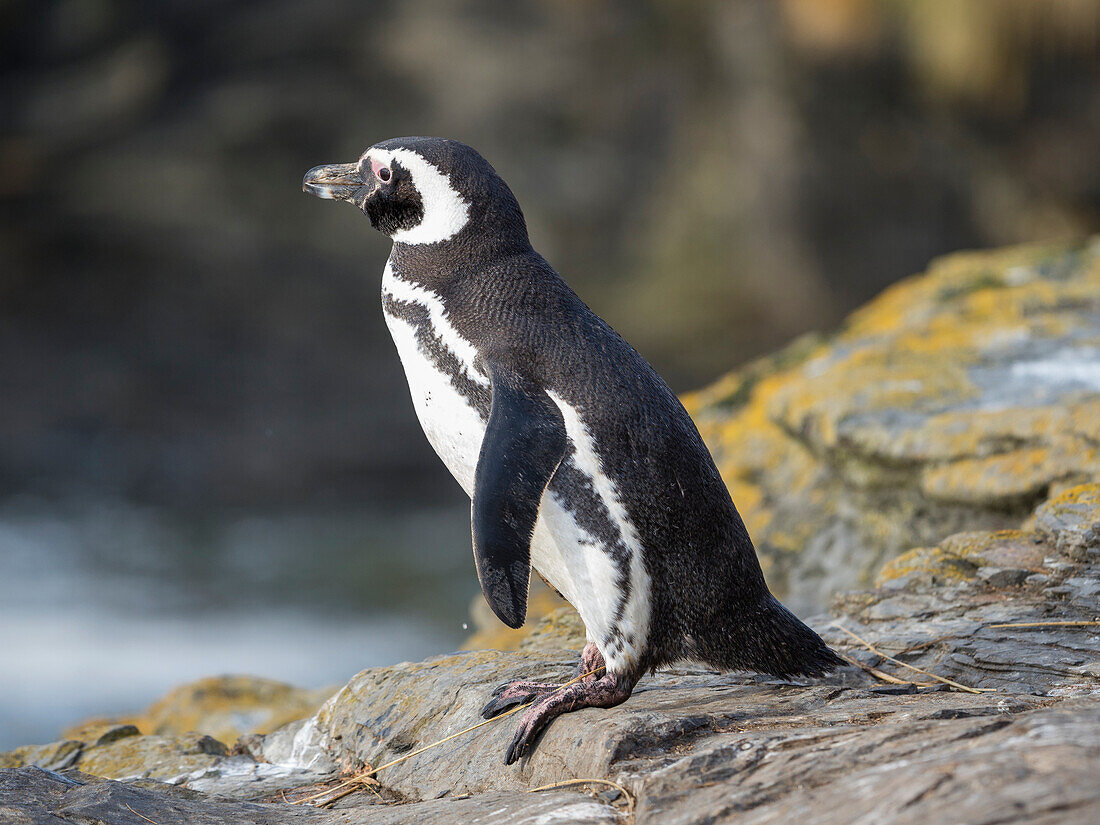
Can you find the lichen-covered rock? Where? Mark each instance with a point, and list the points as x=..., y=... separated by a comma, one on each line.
x=962, y=556
x=55, y=756
x=131, y=756
x=938, y=609
x=152, y=757
x=182, y=734
x=957, y=400
x=223, y=707
x=1013, y=611
x=1072, y=521
x=561, y=629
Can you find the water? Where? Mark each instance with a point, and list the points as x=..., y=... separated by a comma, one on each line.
x=104, y=605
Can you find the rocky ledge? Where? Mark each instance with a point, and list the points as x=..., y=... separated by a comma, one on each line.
x=1000, y=721
x=957, y=400
x=973, y=689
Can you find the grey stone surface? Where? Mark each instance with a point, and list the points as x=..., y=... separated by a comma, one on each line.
x=31, y=796
x=912, y=766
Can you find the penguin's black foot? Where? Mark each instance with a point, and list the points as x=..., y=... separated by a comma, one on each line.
x=605, y=692
x=511, y=694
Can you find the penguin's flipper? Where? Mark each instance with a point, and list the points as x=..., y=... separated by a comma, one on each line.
x=524, y=443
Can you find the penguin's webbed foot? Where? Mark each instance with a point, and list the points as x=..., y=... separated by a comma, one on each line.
x=606, y=692
x=511, y=694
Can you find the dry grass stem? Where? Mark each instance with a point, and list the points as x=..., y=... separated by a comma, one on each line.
x=554, y=785
x=143, y=816
x=367, y=782
x=362, y=777
x=325, y=792
x=877, y=652
x=880, y=674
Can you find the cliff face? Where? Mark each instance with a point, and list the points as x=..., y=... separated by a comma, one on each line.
x=957, y=400
x=940, y=450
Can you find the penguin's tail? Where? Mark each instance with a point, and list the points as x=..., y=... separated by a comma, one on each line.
x=768, y=638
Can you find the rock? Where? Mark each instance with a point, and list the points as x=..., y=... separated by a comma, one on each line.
x=949, y=617
x=961, y=557
x=30, y=796
x=116, y=732
x=955, y=401
x=1072, y=520
x=157, y=757
x=948, y=766
x=561, y=629
x=223, y=707
x=55, y=757
x=123, y=753
x=1003, y=576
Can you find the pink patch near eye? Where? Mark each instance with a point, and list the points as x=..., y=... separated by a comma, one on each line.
x=380, y=170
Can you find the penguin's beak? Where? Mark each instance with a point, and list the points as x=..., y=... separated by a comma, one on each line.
x=336, y=181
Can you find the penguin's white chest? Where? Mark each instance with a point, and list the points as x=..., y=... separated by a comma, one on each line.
x=443, y=382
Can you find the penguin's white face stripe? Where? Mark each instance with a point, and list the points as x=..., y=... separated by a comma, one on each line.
x=635, y=619
x=445, y=210
x=463, y=350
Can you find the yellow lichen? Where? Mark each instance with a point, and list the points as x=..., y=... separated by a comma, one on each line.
x=1082, y=494
x=890, y=403
x=224, y=707
x=958, y=557
x=156, y=757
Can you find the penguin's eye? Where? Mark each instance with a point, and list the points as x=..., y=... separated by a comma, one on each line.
x=381, y=171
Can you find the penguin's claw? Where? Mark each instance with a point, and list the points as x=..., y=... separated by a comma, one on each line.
x=530, y=726
x=511, y=694
x=605, y=692
x=518, y=749
x=494, y=707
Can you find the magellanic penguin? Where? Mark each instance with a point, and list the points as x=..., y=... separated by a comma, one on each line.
x=578, y=458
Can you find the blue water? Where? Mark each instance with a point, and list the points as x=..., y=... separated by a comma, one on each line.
x=104, y=605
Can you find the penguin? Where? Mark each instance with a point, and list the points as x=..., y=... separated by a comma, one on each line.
x=578, y=459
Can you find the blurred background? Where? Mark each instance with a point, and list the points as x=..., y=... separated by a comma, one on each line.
x=208, y=458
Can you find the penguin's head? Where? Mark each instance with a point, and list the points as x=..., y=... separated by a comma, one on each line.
x=423, y=190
